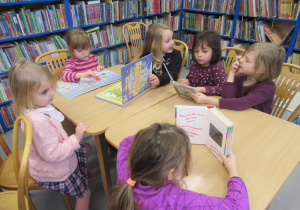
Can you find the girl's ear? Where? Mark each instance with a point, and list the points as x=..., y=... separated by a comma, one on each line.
x=171, y=174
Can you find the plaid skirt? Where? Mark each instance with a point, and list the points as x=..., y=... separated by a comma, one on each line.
x=76, y=183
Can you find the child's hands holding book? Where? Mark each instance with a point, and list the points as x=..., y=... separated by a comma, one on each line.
x=199, y=98
x=184, y=81
x=153, y=80
x=80, y=129
x=99, y=68
x=231, y=164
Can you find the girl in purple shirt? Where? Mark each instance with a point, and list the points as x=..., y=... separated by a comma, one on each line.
x=206, y=74
x=82, y=63
x=253, y=88
x=151, y=166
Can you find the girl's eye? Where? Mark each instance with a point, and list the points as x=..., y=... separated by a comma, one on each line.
x=44, y=92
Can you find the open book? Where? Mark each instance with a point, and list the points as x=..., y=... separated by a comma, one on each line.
x=71, y=89
x=181, y=89
x=134, y=82
x=206, y=125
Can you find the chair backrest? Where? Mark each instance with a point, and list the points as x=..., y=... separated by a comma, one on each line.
x=294, y=114
x=184, y=50
x=55, y=60
x=21, y=163
x=287, y=86
x=5, y=148
x=132, y=33
x=230, y=57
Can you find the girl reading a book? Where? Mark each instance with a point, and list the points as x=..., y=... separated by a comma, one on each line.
x=159, y=41
x=151, y=166
x=82, y=63
x=206, y=74
x=253, y=87
x=57, y=161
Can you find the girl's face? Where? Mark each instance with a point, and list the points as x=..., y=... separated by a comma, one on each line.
x=167, y=42
x=247, y=63
x=81, y=54
x=44, y=95
x=203, y=54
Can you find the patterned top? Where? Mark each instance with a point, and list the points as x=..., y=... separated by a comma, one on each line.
x=259, y=95
x=212, y=78
x=171, y=196
x=74, y=66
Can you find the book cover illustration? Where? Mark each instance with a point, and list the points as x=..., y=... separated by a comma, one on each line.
x=134, y=82
x=70, y=89
x=182, y=89
x=206, y=125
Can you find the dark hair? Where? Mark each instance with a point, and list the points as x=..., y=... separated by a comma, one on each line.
x=154, y=152
x=211, y=39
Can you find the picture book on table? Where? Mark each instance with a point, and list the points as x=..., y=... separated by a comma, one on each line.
x=181, y=89
x=71, y=89
x=134, y=82
x=206, y=125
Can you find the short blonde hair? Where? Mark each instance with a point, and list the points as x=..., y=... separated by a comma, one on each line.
x=153, y=40
x=24, y=79
x=269, y=60
x=77, y=38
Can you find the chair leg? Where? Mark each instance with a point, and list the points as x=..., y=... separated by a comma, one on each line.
x=67, y=201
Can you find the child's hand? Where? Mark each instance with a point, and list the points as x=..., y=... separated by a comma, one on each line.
x=80, y=129
x=201, y=89
x=153, y=80
x=184, y=81
x=99, y=68
x=199, y=98
x=89, y=74
x=235, y=66
x=231, y=164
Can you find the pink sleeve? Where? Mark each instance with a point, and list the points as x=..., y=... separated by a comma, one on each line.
x=47, y=139
x=69, y=73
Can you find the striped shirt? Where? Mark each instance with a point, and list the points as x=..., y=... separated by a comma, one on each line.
x=74, y=66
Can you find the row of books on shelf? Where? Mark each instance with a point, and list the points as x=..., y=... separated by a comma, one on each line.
x=285, y=9
x=8, y=114
x=86, y=14
x=169, y=19
x=202, y=22
x=294, y=59
x=111, y=57
x=21, y=22
x=148, y=7
x=29, y=49
x=222, y=6
x=5, y=94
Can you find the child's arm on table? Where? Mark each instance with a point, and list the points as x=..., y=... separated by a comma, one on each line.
x=87, y=74
x=201, y=98
x=231, y=164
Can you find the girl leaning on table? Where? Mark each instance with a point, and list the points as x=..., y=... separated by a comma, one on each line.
x=159, y=41
x=207, y=73
x=151, y=166
x=57, y=161
x=253, y=87
x=82, y=62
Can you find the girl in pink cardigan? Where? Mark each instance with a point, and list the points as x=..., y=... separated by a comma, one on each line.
x=57, y=161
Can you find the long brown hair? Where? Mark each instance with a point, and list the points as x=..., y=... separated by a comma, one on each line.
x=154, y=152
x=77, y=38
x=153, y=40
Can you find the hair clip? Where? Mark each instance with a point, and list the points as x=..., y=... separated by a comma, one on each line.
x=131, y=182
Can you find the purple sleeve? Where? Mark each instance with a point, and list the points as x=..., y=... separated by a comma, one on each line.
x=219, y=79
x=123, y=152
x=69, y=73
x=261, y=93
x=236, y=198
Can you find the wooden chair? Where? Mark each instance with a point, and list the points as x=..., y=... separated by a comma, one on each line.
x=231, y=56
x=19, y=199
x=9, y=171
x=55, y=60
x=287, y=86
x=132, y=33
x=183, y=48
x=294, y=114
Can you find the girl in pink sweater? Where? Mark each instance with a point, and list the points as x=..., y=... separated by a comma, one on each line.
x=57, y=161
x=82, y=63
